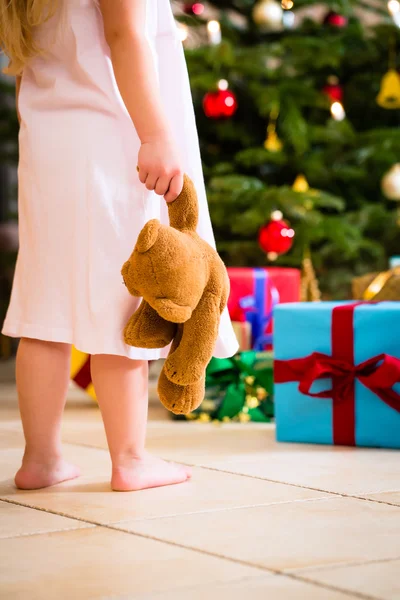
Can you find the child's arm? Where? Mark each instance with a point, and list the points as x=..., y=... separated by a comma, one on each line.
x=159, y=162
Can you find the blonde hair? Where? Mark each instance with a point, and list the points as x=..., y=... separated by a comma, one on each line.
x=18, y=20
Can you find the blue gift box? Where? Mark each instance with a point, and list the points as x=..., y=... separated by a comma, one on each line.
x=394, y=261
x=348, y=356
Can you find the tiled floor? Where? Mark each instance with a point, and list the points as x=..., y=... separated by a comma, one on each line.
x=259, y=519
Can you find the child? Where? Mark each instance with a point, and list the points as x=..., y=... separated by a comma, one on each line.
x=102, y=87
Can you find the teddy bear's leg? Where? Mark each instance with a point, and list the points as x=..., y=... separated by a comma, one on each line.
x=186, y=365
x=146, y=329
x=180, y=399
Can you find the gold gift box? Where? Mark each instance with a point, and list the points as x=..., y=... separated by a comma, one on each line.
x=378, y=286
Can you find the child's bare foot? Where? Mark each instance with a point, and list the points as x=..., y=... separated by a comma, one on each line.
x=35, y=474
x=140, y=473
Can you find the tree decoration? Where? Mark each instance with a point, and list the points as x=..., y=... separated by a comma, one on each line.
x=267, y=14
x=276, y=236
x=272, y=143
x=300, y=184
x=394, y=11
x=337, y=111
x=193, y=8
x=214, y=32
x=390, y=183
x=309, y=290
x=334, y=19
x=183, y=31
x=333, y=89
x=389, y=92
x=221, y=104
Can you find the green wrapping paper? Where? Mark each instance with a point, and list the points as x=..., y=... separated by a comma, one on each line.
x=238, y=389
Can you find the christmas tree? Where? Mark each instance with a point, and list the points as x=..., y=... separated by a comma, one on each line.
x=297, y=106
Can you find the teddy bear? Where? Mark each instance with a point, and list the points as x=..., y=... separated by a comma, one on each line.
x=184, y=288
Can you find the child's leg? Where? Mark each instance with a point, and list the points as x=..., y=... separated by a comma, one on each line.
x=122, y=390
x=42, y=382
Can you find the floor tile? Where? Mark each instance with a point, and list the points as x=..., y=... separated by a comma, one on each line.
x=19, y=520
x=255, y=452
x=288, y=536
x=273, y=587
x=388, y=497
x=91, y=498
x=100, y=563
x=380, y=580
x=251, y=449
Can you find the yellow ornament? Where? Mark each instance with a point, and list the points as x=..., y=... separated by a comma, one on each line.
x=251, y=402
x=390, y=183
x=272, y=142
x=226, y=419
x=300, y=184
x=250, y=379
x=389, y=93
x=261, y=393
x=244, y=417
x=204, y=418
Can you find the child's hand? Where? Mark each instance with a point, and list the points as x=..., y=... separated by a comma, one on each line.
x=160, y=167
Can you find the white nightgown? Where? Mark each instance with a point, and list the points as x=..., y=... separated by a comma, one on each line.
x=81, y=205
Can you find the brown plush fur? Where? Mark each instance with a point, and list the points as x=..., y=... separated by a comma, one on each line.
x=185, y=287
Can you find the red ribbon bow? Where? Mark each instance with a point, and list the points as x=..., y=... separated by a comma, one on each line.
x=379, y=374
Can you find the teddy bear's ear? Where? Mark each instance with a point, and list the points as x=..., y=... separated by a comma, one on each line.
x=148, y=236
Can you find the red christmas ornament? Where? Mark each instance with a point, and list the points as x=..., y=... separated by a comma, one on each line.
x=221, y=104
x=333, y=90
x=193, y=8
x=335, y=20
x=276, y=236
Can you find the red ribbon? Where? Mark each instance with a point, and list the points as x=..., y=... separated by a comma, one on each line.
x=379, y=374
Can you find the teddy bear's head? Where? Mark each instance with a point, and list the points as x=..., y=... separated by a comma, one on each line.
x=165, y=269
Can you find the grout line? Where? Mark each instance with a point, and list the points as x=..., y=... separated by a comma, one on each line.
x=216, y=510
x=296, y=485
x=245, y=563
x=334, y=566
x=334, y=588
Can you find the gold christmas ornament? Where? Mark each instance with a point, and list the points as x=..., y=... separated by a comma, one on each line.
x=389, y=93
x=267, y=14
x=390, y=183
x=244, y=417
x=204, y=418
x=309, y=289
x=272, y=142
x=300, y=184
x=261, y=393
x=252, y=402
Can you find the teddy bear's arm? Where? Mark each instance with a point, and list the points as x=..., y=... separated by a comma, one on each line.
x=146, y=329
x=187, y=364
x=183, y=212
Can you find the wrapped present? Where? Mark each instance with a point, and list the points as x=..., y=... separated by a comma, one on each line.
x=80, y=371
x=255, y=292
x=394, y=261
x=378, y=286
x=242, y=331
x=238, y=389
x=337, y=373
